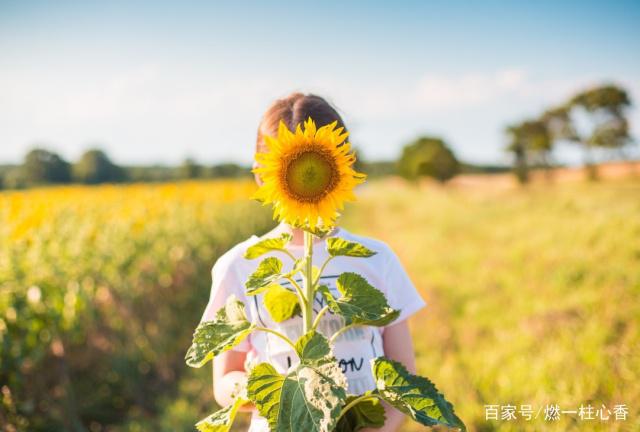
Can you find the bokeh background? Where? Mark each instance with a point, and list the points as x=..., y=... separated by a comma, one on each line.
x=500, y=139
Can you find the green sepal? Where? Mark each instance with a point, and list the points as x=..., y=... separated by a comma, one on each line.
x=227, y=330
x=340, y=247
x=368, y=413
x=268, y=245
x=221, y=420
x=281, y=303
x=269, y=271
x=414, y=395
x=360, y=302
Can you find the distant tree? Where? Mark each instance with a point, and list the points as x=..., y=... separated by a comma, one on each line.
x=428, y=156
x=559, y=124
x=379, y=168
x=151, y=173
x=15, y=178
x=94, y=166
x=228, y=170
x=190, y=169
x=605, y=108
x=518, y=146
x=42, y=166
x=531, y=143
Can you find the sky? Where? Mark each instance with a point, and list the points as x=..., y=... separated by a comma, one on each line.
x=156, y=82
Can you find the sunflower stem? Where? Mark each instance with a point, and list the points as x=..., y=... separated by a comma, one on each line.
x=308, y=282
x=277, y=333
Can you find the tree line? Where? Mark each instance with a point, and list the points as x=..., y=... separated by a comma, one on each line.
x=41, y=166
x=426, y=156
x=594, y=119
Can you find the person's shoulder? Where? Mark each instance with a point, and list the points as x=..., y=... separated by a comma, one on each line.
x=381, y=248
x=234, y=256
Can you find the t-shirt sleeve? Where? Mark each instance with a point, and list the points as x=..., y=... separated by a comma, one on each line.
x=401, y=292
x=224, y=283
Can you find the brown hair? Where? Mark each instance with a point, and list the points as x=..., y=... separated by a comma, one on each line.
x=294, y=110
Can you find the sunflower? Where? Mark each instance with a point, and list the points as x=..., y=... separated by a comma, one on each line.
x=307, y=175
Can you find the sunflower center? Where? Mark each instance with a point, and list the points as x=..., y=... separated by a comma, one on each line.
x=310, y=175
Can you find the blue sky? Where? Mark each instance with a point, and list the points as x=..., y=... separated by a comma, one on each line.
x=157, y=82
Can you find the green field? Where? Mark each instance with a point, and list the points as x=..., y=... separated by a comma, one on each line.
x=534, y=295
x=533, y=298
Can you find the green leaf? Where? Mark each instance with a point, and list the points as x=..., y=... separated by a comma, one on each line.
x=264, y=389
x=281, y=303
x=227, y=330
x=414, y=395
x=368, y=413
x=221, y=420
x=309, y=398
x=360, y=303
x=313, y=347
x=269, y=271
x=268, y=245
x=340, y=247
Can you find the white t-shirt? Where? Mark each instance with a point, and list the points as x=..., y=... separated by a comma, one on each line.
x=353, y=349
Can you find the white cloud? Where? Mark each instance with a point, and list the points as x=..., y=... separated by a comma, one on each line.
x=468, y=90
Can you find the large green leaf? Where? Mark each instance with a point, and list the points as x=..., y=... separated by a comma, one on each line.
x=340, y=247
x=414, y=395
x=221, y=420
x=281, y=303
x=268, y=245
x=264, y=389
x=360, y=303
x=269, y=271
x=313, y=347
x=368, y=413
x=227, y=330
x=308, y=398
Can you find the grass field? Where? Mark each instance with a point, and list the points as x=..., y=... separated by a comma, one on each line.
x=533, y=297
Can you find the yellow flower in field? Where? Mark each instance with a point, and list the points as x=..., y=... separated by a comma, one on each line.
x=307, y=175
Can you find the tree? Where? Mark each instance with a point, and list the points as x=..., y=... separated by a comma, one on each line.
x=228, y=170
x=428, y=156
x=42, y=166
x=95, y=166
x=559, y=123
x=517, y=146
x=190, y=169
x=531, y=143
x=605, y=108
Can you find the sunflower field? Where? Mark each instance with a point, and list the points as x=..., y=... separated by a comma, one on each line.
x=533, y=297
x=101, y=288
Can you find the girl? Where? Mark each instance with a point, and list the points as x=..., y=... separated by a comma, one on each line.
x=353, y=349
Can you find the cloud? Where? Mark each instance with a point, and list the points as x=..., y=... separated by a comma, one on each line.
x=468, y=90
